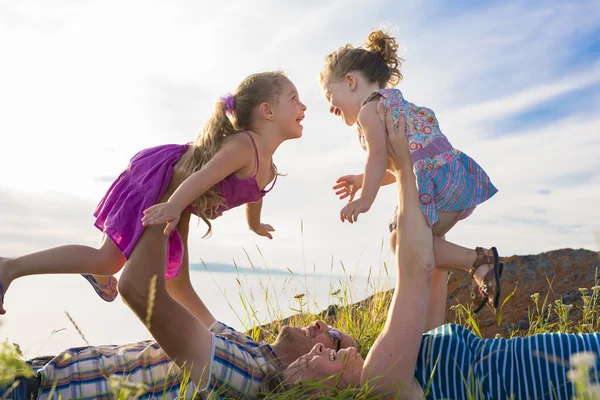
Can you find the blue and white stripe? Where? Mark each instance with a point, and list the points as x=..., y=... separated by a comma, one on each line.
x=469, y=367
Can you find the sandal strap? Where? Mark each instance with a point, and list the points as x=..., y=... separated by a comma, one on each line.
x=481, y=259
x=489, y=277
x=485, y=290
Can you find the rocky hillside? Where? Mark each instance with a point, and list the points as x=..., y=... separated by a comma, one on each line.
x=560, y=273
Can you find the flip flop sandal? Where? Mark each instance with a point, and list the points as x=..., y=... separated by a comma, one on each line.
x=485, y=292
x=106, y=292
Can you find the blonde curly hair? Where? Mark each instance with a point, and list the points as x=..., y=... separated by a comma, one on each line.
x=377, y=60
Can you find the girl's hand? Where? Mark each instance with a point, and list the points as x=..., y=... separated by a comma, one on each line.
x=162, y=213
x=348, y=185
x=351, y=211
x=264, y=230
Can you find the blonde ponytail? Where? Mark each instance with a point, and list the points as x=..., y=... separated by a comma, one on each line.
x=254, y=90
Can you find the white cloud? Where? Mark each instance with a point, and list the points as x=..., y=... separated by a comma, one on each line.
x=505, y=106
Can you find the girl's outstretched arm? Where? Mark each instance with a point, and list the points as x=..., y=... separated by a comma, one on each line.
x=234, y=156
x=349, y=185
x=391, y=362
x=376, y=164
x=253, y=218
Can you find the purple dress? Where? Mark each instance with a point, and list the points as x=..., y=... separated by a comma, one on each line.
x=143, y=183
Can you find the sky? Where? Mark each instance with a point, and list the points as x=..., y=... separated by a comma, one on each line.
x=87, y=84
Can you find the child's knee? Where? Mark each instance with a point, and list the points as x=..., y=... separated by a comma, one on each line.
x=446, y=221
x=111, y=259
x=113, y=264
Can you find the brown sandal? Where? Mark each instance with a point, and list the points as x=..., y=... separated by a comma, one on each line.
x=485, y=292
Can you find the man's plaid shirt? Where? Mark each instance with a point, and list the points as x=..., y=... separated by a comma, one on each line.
x=238, y=366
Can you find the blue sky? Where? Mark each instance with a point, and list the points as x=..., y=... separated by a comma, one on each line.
x=514, y=84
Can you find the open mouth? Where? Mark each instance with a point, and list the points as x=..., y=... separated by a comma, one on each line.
x=299, y=120
x=332, y=355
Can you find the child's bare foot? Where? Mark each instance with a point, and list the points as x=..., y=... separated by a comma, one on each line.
x=105, y=286
x=486, y=272
x=5, y=281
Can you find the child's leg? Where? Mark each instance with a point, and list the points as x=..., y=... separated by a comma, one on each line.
x=446, y=221
x=454, y=257
x=449, y=256
x=72, y=259
x=104, y=285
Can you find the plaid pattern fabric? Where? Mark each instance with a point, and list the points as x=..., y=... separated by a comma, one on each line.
x=459, y=185
x=85, y=372
x=238, y=366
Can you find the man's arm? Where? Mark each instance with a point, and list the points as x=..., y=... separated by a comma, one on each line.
x=181, y=288
x=391, y=362
x=436, y=312
x=185, y=339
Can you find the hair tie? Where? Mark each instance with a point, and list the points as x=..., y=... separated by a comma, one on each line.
x=229, y=103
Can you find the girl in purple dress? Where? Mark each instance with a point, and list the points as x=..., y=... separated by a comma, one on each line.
x=450, y=183
x=228, y=165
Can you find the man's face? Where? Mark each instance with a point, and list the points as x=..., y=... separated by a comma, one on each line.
x=299, y=341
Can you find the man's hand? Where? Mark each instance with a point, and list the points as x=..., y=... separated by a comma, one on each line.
x=397, y=143
x=351, y=211
x=264, y=230
x=348, y=185
x=162, y=213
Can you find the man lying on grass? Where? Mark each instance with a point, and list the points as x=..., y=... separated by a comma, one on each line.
x=239, y=365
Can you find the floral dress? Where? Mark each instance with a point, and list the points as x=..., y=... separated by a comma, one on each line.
x=447, y=179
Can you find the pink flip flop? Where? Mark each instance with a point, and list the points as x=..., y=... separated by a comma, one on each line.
x=106, y=292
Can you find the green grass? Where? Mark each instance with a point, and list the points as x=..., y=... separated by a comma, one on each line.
x=364, y=321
